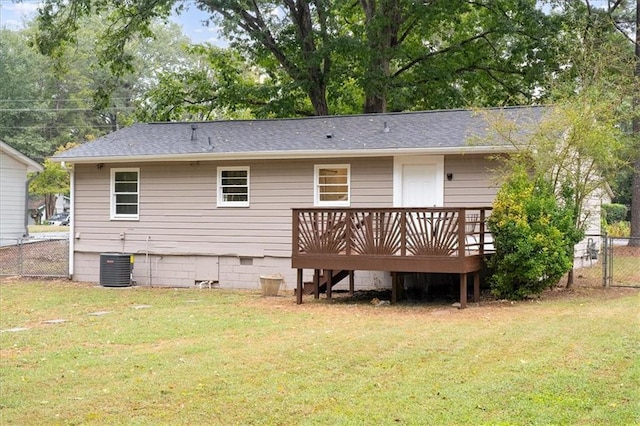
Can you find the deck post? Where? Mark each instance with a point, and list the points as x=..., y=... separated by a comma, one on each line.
x=476, y=286
x=316, y=283
x=351, y=283
x=299, y=288
x=463, y=291
x=329, y=282
x=394, y=288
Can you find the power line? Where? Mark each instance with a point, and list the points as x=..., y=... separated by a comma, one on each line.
x=64, y=109
x=47, y=127
x=60, y=100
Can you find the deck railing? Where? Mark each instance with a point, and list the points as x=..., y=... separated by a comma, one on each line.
x=395, y=239
x=429, y=240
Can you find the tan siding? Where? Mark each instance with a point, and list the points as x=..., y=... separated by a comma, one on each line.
x=178, y=212
x=473, y=184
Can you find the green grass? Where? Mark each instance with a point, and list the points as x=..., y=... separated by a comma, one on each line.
x=222, y=357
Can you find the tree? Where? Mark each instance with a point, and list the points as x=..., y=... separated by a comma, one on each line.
x=23, y=95
x=593, y=27
x=635, y=191
x=217, y=83
x=576, y=147
x=445, y=54
x=53, y=180
x=46, y=102
x=399, y=54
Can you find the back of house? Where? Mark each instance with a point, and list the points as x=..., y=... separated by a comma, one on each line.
x=212, y=202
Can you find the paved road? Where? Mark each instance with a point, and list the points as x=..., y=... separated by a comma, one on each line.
x=49, y=235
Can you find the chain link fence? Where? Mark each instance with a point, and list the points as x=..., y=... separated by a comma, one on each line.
x=36, y=256
x=621, y=262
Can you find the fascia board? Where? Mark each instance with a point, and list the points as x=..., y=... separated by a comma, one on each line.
x=32, y=165
x=283, y=155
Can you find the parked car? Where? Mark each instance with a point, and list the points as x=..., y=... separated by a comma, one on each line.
x=59, y=219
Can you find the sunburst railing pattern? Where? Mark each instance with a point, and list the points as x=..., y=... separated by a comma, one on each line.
x=387, y=232
x=375, y=232
x=322, y=231
x=432, y=233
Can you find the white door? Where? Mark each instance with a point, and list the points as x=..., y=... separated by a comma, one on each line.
x=418, y=181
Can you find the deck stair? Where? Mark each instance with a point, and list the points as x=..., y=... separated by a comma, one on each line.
x=323, y=280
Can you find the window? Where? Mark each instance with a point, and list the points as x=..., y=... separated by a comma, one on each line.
x=332, y=185
x=233, y=186
x=125, y=187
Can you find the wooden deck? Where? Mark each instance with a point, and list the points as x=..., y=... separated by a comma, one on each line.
x=436, y=240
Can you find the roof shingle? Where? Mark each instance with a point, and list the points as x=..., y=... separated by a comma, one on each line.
x=444, y=129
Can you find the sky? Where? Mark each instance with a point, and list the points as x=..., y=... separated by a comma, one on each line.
x=13, y=15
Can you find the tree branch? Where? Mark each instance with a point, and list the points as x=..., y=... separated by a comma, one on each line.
x=439, y=52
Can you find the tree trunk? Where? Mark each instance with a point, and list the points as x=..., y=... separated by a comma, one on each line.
x=635, y=197
x=49, y=205
x=635, y=188
x=318, y=96
x=383, y=19
x=570, y=278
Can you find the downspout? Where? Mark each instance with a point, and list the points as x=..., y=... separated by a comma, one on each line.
x=72, y=215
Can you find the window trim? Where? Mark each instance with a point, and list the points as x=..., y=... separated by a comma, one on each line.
x=220, y=199
x=316, y=186
x=112, y=190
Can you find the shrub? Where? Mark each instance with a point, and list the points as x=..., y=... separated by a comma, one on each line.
x=614, y=213
x=533, y=237
x=619, y=229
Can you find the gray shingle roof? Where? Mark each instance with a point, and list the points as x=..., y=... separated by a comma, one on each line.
x=445, y=130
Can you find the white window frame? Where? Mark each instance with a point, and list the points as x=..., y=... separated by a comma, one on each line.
x=316, y=186
x=114, y=215
x=220, y=197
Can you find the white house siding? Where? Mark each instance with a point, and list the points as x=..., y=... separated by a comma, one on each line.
x=13, y=176
x=593, y=209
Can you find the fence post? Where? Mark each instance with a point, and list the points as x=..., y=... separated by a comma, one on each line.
x=610, y=268
x=20, y=260
x=605, y=259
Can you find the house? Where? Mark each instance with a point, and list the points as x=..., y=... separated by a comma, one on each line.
x=215, y=201
x=14, y=167
x=37, y=210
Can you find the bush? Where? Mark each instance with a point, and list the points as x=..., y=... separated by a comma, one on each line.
x=619, y=229
x=614, y=213
x=533, y=237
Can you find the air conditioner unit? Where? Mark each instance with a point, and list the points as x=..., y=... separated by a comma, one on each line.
x=116, y=269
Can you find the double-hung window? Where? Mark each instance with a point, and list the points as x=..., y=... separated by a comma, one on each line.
x=125, y=193
x=233, y=186
x=332, y=185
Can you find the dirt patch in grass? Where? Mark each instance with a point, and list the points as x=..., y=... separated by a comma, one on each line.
x=487, y=304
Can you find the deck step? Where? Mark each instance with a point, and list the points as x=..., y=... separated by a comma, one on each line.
x=308, y=287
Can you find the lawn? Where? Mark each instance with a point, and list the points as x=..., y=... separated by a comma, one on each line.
x=149, y=356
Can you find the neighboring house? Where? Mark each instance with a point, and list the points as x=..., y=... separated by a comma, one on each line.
x=213, y=201
x=14, y=167
x=37, y=210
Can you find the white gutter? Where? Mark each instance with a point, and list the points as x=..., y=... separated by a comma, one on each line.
x=281, y=155
x=72, y=222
